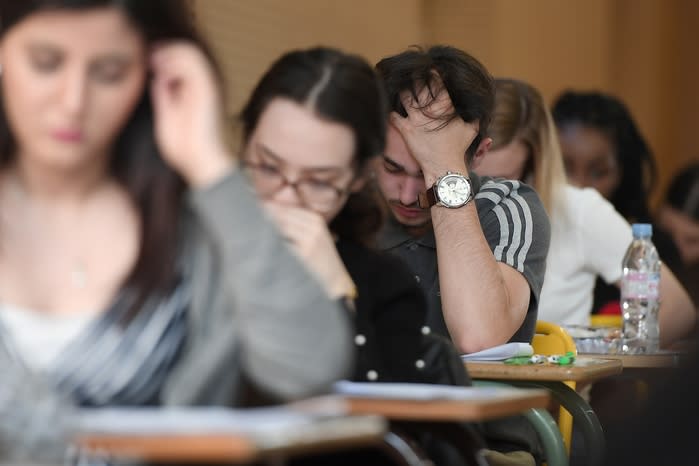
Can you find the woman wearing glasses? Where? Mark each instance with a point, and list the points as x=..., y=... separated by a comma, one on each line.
x=310, y=128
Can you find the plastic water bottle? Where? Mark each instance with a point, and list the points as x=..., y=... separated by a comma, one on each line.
x=640, y=299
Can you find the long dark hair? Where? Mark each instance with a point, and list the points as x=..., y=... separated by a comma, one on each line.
x=136, y=162
x=342, y=88
x=610, y=116
x=683, y=191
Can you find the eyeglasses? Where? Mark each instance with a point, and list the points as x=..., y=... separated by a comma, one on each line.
x=315, y=194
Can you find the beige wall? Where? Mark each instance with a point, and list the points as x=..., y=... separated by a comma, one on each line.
x=249, y=34
x=546, y=42
x=641, y=50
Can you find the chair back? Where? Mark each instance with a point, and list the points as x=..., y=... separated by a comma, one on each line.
x=606, y=320
x=553, y=339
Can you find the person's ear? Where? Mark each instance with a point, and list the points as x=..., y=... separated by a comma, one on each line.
x=481, y=152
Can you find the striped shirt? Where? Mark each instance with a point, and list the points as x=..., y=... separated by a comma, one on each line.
x=116, y=363
x=514, y=224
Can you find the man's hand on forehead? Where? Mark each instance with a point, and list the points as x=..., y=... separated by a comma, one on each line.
x=432, y=107
x=436, y=137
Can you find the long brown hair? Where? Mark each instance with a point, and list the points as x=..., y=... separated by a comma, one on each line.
x=136, y=163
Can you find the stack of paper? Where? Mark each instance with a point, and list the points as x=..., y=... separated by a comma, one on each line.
x=190, y=420
x=414, y=391
x=500, y=353
x=267, y=428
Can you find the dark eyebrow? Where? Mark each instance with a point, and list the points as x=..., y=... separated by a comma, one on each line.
x=268, y=152
x=42, y=46
x=114, y=56
x=264, y=149
x=400, y=167
x=113, y=59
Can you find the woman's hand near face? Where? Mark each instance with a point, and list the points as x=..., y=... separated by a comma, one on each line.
x=313, y=243
x=189, y=113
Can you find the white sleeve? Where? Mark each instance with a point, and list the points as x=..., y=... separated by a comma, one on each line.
x=605, y=235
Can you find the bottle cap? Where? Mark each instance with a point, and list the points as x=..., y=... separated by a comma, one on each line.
x=642, y=230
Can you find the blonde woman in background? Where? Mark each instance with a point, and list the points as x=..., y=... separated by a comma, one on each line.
x=588, y=237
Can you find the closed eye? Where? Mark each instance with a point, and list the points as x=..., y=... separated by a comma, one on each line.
x=45, y=62
x=318, y=183
x=392, y=167
x=268, y=168
x=109, y=72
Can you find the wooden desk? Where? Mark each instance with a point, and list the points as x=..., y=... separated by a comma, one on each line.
x=551, y=376
x=494, y=402
x=442, y=414
x=661, y=360
x=236, y=447
x=585, y=369
x=339, y=422
x=171, y=448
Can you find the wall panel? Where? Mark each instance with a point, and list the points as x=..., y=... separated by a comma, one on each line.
x=641, y=50
x=249, y=34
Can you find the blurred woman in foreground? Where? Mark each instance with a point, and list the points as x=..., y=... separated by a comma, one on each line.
x=135, y=265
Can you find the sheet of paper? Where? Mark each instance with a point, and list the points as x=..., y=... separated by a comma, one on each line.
x=189, y=420
x=501, y=352
x=267, y=428
x=415, y=391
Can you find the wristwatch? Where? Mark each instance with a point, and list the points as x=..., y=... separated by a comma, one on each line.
x=452, y=190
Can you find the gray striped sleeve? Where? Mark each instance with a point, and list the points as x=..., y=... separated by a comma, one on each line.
x=516, y=227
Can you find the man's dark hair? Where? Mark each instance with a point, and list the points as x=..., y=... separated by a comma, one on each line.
x=470, y=86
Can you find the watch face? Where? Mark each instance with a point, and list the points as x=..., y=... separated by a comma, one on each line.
x=454, y=190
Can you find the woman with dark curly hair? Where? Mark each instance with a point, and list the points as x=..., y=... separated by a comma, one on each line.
x=603, y=148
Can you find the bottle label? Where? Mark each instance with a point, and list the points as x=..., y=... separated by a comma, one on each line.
x=640, y=285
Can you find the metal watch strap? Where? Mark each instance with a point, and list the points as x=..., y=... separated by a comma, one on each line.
x=427, y=199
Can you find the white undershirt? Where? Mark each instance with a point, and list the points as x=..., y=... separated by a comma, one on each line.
x=38, y=337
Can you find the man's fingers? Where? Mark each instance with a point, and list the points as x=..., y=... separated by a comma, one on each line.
x=397, y=121
x=432, y=107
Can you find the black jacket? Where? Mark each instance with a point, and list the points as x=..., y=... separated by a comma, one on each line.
x=393, y=343
x=390, y=316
